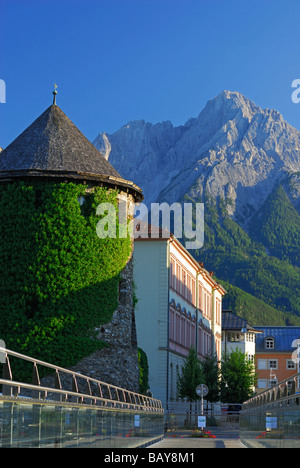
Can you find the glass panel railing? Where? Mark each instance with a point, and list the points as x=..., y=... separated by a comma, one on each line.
x=28, y=425
x=272, y=419
x=77, y=411
x=279, y=428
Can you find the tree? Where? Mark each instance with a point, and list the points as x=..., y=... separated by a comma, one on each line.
x=238, y=377
x=190, y=377
x=211, y=375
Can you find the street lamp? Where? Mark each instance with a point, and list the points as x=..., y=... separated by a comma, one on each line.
x=226, y=384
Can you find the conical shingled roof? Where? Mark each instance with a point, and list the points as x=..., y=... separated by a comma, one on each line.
x=52, y=146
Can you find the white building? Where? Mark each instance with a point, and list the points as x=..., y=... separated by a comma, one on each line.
x=238, y=334
x=179, y=306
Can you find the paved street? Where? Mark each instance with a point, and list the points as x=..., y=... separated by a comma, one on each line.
x=225, y=438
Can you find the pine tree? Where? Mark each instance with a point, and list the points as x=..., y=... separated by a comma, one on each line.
x=211, y=374
x=190, y=377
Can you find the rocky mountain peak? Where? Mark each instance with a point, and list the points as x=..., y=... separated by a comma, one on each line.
x=233, y=149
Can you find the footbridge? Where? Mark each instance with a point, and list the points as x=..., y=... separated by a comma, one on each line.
x=75, y=412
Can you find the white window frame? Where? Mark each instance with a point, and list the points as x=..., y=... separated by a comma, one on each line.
x=269, y=343
x=275, y=363
x=291, y=365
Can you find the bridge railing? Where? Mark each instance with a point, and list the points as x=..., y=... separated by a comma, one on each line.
x=69, y=409
x=285, y=390
x=81, y=389
x=271, y=419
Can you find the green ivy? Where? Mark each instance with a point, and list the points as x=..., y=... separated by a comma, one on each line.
x=58, y=280
x=143, y=371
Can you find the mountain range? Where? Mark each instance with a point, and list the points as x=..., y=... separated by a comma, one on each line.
x=243, y=163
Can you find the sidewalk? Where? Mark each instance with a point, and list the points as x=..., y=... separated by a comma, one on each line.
x=225, y=438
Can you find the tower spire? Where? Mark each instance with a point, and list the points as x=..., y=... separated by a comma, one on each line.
x=54, y=94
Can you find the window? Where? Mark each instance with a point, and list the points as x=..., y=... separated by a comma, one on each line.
x=182, y=341
x=249, y=338
x=204, y=303
x=269, y=343
x=218, y=312
x=262, y=383
x=188, y=288
x=273, y=364
x=262, y=364
x=290, y=364
x=209, y=306
x=200, y=297
x=273, y=383
x=200, y=341
x=194, y=292
x=178, y=279
x=183, y=292
x=172, y=275
x=172, y=323
x=193, y=337
x=234, y=337
x=177, y=328
x=188, y=334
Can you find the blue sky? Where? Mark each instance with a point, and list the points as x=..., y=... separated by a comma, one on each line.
x=121, y=60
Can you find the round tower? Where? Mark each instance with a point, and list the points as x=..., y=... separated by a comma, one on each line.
x=66, y=295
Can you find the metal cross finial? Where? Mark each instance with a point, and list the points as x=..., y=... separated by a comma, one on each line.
x=54, y=94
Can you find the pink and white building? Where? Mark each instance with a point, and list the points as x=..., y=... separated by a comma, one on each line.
x=179, y=306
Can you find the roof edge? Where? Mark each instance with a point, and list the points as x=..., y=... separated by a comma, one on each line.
x=7, y=176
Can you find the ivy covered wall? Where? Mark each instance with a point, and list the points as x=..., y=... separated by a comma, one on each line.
x=58, y=280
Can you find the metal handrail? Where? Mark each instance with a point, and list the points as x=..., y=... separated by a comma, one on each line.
x=278, y=393
x=130, y=400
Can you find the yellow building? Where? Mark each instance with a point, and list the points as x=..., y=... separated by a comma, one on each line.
x=179, y=306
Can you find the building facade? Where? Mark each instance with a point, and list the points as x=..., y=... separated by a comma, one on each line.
x=179, y=306
x=276, y=349
x=237, y=333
